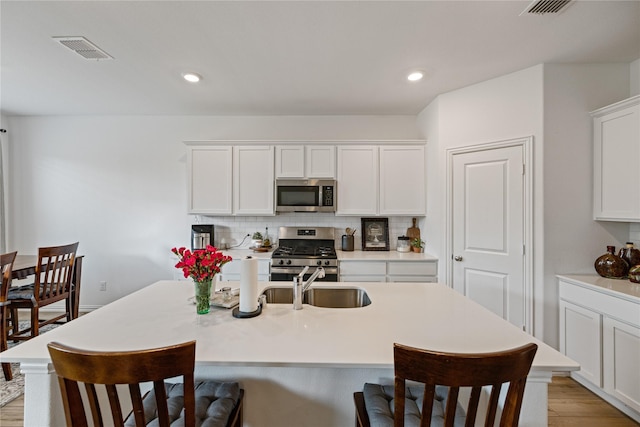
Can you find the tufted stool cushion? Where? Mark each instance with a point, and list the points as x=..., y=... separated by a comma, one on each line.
x=379, y=401
x=214, y=403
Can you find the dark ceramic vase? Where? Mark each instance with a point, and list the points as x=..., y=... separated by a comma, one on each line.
x=634, y=274
x=630, y=254
x=611, y=265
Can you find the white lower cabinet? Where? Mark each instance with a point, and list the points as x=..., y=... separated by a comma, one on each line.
x=412, y=271
x=600, y=329
x=621, y=361
x=388, y=271
x=231, y=271
x=580, y=339
x=363, y=271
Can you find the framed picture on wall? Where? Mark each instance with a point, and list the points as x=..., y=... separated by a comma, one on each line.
x=375, y=234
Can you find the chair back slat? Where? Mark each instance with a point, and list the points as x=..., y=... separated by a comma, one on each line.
x=456, y=370
x=131, y=368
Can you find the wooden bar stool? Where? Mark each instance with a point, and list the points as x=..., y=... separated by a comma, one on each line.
x=208, y=403
x=443, y=374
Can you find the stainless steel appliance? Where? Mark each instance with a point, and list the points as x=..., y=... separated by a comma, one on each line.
x=201, y=236
x=300, y=247
x=305, y=195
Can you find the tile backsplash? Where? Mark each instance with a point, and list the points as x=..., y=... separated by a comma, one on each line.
x=235, y=228
x=634, y=233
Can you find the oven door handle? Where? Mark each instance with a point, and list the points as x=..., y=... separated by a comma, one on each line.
x=297, y=270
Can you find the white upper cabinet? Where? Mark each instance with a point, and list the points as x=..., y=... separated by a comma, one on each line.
x=209, y=179
x=381, y=180
x=230, y=180
x=402, y=180
x=253, y=180
x=320, y=161
x=305, y=161
x=616, y=161
x=357, y=180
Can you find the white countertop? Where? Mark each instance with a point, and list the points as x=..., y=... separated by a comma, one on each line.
x=343, y=255
x=620, y=288
x=427, y=315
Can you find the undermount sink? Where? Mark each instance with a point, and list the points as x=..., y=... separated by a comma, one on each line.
x=343, y=297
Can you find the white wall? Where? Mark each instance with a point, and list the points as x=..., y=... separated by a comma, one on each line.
x=118, y=185
x=572, y=239
x=503, y=108
x=550, y=103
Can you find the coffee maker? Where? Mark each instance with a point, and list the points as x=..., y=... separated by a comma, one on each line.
x=201, y=236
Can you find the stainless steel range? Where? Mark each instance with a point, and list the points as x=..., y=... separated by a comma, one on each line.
x=300, y=247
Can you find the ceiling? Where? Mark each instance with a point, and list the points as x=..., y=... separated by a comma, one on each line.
x=290, y=57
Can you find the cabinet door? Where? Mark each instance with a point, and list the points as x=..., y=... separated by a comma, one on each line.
x=253, y=185
x=320, y=161
x=289, y=161
x=357, y=178
x=209, y=180
x=580, y=339
x=621, y=361
x=402, y=180
x=616, y=159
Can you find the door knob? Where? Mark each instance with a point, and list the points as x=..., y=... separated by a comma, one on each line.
x=457, y=258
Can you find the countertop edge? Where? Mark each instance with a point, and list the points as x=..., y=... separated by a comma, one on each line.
x=612, y=287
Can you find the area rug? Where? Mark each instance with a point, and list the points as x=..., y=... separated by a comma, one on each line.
x=10, y=390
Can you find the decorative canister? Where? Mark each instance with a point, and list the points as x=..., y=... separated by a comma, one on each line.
x=630, y=254
x=611, y=265
x=634, y=274
x=403, y=244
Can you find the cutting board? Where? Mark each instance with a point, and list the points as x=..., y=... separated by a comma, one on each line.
x=413, y=231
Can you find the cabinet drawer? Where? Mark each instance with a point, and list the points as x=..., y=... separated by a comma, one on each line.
x=619, y=308
x=412, y=279
x=360, y=268
x=362, y=278
x=234, y=267
x=410, y=268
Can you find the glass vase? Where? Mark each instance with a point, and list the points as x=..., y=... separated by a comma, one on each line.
x=203, y=295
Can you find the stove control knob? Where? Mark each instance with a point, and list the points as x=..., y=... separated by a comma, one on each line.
x=319, y=263
x=288, y=262
x=327, y=263
x=281, y=262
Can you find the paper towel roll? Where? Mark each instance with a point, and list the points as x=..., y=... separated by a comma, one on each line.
x=249, y=285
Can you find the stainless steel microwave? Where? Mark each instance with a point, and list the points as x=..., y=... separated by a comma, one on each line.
x=305, y=195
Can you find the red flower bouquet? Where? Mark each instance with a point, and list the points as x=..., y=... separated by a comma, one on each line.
x=201, y=265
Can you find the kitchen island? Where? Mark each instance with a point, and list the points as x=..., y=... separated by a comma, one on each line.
x=297, y=367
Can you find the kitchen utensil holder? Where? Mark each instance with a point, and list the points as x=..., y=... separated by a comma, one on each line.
x=347, y=242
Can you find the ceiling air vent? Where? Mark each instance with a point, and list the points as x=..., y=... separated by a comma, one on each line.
x=541, y=7
x=83, y=47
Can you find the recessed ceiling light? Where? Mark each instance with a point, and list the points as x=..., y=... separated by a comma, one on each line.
x=192, y=77
x=415, y=76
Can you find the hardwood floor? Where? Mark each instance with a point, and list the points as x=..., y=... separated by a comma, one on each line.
x=570, y=404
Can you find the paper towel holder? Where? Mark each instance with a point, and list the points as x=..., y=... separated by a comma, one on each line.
x=244, y=315
x=236, y=312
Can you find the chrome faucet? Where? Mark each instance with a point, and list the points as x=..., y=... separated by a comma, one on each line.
x=300, y=286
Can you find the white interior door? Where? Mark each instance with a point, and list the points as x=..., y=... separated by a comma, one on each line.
x=488, y=229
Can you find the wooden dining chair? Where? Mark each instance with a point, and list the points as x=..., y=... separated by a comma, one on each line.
x=205, y=403
x=443, y=374
x=6, y=266
x=52, y=283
